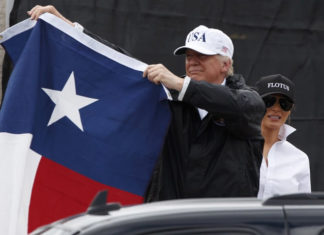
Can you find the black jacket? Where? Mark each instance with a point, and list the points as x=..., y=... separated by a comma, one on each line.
x=218, y=156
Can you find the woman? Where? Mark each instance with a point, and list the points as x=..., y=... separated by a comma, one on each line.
x=284, y=168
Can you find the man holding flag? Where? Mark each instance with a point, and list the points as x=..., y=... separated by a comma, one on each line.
x=214, y=144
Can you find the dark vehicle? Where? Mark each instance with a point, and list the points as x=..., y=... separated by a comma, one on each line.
x=288, y=214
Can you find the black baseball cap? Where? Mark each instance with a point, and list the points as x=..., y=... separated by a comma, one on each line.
x=276, y=84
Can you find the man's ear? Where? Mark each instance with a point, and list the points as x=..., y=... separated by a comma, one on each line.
x=226, y=64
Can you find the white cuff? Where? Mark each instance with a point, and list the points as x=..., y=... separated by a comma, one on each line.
x=184, y=88
x=78, y=26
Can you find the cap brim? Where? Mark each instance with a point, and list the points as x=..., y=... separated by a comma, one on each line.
x=182, y=50
x=276, y=92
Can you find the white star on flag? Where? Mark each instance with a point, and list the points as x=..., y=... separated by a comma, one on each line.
x=68, y=103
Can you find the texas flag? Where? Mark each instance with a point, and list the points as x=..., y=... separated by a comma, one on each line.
x=77, y=118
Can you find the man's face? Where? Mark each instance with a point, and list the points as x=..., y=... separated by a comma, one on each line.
x=209, y=68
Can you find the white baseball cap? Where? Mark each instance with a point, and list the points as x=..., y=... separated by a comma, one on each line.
x=207, y=41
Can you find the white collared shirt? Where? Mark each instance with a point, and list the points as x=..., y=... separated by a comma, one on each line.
x=202, y=112
x=288, y=168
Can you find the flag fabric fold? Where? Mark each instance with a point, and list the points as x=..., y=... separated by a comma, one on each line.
x=77, y=118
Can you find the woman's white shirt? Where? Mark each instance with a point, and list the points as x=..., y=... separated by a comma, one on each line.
x=288, y=168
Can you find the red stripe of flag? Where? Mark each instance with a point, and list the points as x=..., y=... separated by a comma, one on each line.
x=59, y=192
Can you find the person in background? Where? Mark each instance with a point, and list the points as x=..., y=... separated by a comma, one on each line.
x=214, y=144
x=284, y=169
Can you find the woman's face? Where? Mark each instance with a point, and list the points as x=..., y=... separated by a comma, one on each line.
x=275, y=115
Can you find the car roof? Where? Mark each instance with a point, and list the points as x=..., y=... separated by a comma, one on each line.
x=114, y=212
x=187, y=205
x=169, y=207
